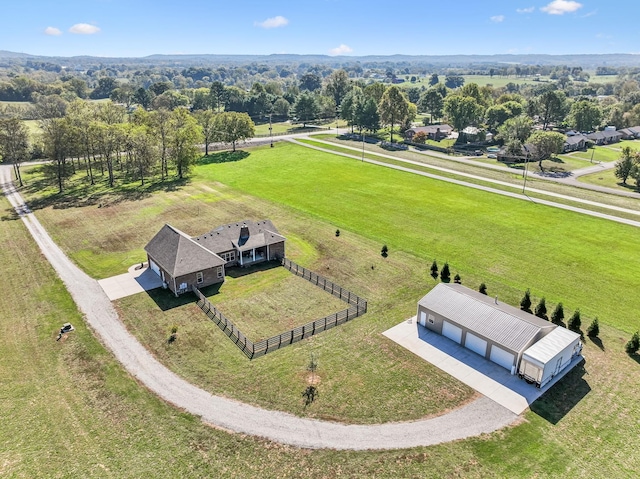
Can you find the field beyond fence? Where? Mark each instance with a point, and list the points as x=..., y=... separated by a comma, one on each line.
x=358, y=306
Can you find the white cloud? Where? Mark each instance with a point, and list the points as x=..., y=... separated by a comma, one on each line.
x=590, y=14
x=273, y=22
x=497, y=18
x=525, y=10
x=84, y=29
x=52, y=31
x=341, y=50
x=560, y=7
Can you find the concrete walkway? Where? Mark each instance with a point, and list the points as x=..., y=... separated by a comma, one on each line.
x=486, y=377
x=478, y=417
x=136, y=280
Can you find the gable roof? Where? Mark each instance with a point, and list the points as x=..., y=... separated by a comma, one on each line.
x=575, y=139
x=178, y=254
x=228, y=237
x=432, y=129
x=499, y=322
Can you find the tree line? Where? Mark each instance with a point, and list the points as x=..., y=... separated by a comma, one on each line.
x=104, y=139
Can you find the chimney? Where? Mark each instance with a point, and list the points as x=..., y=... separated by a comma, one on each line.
x=244, y=232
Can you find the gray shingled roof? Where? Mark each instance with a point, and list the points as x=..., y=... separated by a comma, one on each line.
x=432, y=129
x=227, y=237
x=178, y=254
x=501, y=323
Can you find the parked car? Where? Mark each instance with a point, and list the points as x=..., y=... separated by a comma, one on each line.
x=493, y=156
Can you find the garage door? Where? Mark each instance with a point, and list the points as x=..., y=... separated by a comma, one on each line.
x=154, y=267
x=452, y=331
x=423, y=318
x=501, y=357
x=476, y=344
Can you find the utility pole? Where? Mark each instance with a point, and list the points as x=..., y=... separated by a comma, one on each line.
x=270, y=131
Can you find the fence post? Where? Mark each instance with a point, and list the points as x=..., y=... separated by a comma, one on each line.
x=291, y=340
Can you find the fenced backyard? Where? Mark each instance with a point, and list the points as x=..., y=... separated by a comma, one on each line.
x=357, y=307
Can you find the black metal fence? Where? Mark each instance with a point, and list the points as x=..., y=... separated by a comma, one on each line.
x=254, y=350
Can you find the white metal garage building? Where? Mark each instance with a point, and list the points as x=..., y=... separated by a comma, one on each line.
x=497, y=331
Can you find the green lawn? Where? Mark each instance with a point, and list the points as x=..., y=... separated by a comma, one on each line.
x=608, y=178
x=69, y=410
x=281, y=127
x=600, y=153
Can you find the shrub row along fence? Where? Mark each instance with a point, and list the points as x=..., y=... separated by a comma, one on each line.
x=358, y=306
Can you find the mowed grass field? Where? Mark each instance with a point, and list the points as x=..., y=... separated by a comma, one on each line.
x=70, y=411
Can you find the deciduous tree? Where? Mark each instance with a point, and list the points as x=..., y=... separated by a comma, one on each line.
x=185, y=137
x=584, y=115
x=393, y=107
x=232, y=127
x=546, y=144
x=14, y=144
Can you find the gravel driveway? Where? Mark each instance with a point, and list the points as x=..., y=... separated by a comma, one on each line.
x=478, y=417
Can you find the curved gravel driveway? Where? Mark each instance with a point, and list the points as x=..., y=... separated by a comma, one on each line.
x=478, y=417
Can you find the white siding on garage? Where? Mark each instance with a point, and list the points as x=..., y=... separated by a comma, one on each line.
x=502, y=357
x=452, y=332
x=423, y=318
x=476, y=344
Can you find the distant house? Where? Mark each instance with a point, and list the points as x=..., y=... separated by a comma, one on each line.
x=520, y=342
x=182, y=261
x=605, y=137
x=433, y=132
x=630, y=133
x=627, y=134
x=574, y=143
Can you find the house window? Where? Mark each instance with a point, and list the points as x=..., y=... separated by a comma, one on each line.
x=431, y=319
x=229, y=256
x=199, y=277
x=220, y=271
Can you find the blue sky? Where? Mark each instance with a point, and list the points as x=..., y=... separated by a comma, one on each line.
x=349, y=27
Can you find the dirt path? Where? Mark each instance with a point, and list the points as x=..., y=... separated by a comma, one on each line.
x=478, y=417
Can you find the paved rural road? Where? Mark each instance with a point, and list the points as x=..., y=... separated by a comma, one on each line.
x=478, y=417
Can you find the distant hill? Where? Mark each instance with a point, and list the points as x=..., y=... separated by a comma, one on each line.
x=586, y=61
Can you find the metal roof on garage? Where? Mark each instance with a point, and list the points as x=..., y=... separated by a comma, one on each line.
x=501, y=323
x=553, y=343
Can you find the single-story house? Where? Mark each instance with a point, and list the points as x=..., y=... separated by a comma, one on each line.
x=627, y=134
x=182, y=261
x=499, y=332
x=605, y=137
x=574, y=143
x=433, y=132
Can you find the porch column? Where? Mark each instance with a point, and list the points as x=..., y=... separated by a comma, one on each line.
x=268, y=257
x=253, y=254
x=240, y=253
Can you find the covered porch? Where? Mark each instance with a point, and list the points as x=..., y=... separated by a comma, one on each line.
x=251, y=256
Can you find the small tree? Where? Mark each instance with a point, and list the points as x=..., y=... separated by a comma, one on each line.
x=384, y=251
x=634, y=344
x=337, y=232
x=420, y=137
x=541, y=309
x=525, y=303
x=457, y=279
x=575, y=321
x=594, y=328
x=558, y=314
x=445, y=274
x=483, y=288
x=434, y=269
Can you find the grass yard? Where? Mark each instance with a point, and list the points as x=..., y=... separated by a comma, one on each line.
x=600, y=154
x=264, y=302
x=70, y=411
x=608, y=178
x=281, y=127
